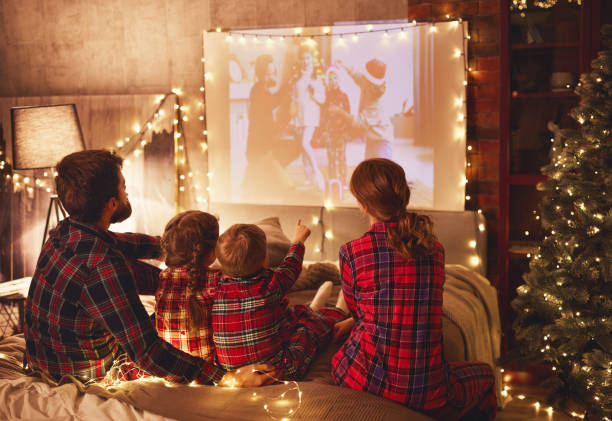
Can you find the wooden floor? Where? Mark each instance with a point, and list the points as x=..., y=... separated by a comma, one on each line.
x=525, y=409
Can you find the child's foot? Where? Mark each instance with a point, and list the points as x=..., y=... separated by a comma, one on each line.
x=341, y=303
x=321, y=296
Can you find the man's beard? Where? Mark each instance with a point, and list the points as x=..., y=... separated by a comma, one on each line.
x=122, y=212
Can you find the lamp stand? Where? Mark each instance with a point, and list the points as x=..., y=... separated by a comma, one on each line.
x=56, y=205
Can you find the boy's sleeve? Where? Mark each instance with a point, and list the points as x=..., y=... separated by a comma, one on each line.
x=288, y=271
x=111, y=296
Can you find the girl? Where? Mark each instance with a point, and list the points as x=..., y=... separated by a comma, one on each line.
x=186, y=287
x=392, y=281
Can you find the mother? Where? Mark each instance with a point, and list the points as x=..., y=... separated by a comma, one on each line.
x=392, y=281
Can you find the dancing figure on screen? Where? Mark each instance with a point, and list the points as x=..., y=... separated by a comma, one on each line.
x=264, y=130
x=308, y=96
x=336, y=128
x=372, y=119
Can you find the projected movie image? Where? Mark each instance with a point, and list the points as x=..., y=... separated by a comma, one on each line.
x=304, y=111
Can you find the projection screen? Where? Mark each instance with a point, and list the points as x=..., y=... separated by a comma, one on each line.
x=291, y=111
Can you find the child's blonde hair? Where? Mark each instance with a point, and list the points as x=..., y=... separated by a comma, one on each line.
x=188, y=238
x=241, y=249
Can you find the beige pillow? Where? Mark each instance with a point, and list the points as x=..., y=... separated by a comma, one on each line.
x=315, y=274
x=277, y=242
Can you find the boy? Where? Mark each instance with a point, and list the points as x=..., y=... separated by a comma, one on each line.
x=251, y=318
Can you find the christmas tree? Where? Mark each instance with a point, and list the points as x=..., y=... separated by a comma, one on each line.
x=564, y=308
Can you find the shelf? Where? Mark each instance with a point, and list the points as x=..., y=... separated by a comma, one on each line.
x=544, y=95
x=544, y=45
x=523, y=247
x=528, y=180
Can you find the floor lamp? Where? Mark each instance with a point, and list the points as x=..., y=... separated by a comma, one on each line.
x=42, y=136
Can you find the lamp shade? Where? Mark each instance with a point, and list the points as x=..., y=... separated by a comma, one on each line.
x=43, y=135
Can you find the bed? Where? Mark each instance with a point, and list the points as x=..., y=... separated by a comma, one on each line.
x=471, y=331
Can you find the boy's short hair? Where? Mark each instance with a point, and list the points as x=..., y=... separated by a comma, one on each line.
x=241, y=249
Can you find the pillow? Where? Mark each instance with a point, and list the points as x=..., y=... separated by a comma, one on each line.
x=314, y=275
x=277, y=242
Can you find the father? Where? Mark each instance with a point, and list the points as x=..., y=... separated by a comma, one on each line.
x=83, y=308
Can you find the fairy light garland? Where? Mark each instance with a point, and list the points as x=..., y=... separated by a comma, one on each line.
x=128, y=147
x=278, y=407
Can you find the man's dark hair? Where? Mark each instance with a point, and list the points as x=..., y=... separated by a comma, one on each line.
x=86, y=180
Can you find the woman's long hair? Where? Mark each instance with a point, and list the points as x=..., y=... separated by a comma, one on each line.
x=188, y=238
x=380, y=186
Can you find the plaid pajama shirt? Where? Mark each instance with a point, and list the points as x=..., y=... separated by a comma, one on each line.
x=172, y=312
x=83, y=310
x=395, y=348
x=252, y=322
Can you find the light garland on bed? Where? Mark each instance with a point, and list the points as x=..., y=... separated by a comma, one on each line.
x=282, y=401
x=279, y=407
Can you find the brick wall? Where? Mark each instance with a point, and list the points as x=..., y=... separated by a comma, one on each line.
x=483, y=103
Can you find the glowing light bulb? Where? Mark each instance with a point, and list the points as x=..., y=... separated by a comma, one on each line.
x=329, y=235
x=315, y=220
x=472, y=244
x=474, y=261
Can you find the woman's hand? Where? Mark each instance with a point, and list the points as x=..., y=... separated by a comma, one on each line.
x=252, y=375
x=342, y=329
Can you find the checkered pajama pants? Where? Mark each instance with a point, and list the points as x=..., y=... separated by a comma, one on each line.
x=471, y=393
x=311, y=333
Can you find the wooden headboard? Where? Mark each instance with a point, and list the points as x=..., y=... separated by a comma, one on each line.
x=462, y=234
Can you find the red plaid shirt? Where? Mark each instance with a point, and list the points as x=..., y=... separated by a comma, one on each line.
x=83, y=308
x=251, y=318
x=395, y=348
x=172, y=312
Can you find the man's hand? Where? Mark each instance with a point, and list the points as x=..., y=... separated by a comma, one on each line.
x=342, y=329
x=302, y=232
x=252, y=375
